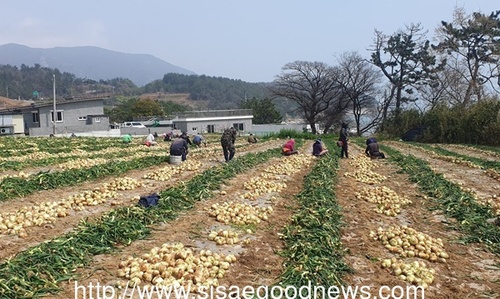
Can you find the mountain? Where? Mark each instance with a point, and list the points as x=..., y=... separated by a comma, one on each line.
x=91, y=62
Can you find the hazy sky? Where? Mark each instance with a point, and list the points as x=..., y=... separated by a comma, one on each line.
x=247, y=40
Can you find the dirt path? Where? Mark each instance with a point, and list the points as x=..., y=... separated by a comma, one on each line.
x=12, y=244
x=470, y=272
x=257, y=264
x=471, y=151
x=473, y=180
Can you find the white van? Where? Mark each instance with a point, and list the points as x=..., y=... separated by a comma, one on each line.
x=133, y=124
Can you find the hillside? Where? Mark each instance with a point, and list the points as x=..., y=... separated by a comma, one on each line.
x=177, y=98
x=91, y=62
x=6, y=103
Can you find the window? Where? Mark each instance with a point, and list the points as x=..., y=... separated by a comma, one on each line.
x=59, y=115
x=238, y=126
x=194, y=129
x=210, y=128
x=97, y=119
x=82, y=118
x=36, y=116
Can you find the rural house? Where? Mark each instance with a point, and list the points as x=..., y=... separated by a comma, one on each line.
x=11, y=123
x=72, y=116
x=213, y=121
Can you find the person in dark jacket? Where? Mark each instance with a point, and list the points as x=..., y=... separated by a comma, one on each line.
x=319, y=148
x=227, y=141
x=179, y=148
x=252, y=139
x=343, y=138
x=372, y=149
x=185, y=136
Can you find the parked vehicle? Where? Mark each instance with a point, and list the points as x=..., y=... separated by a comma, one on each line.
x=133, y=125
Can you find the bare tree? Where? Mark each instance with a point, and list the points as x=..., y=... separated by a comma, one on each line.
x=449, y=87
x=358, y=81
x=310, y=85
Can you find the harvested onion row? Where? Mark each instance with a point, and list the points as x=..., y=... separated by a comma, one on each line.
x=387, y=200
x=407, y=242
x=87, y=163
x=166, y=173
x=474, y=149
x=290, y=165
x=270, y=180
x=362, y=162
x=82, y=163
x=15, y=223
x=366, y=176
x=21, y=175
x=224, y=237
x=175, y=265
x=451, y=159
x=258, y=186
x=492, y=174
x=363, y=172
x=239, y=213
x=416, y=273
x=491, y=201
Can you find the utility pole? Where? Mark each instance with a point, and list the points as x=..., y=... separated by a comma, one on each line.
x=54, y=115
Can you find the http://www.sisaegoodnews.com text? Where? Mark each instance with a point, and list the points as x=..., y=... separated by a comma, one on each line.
x=98, y=291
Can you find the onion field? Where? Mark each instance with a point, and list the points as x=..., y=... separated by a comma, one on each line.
x=424, y=217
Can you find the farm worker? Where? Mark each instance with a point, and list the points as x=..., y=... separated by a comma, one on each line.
x=179, y=148
x=184, y=135
x=198, y=140
x=127, y=138
x=319, y=148
x=168, y=136
x=372, y=149
x=150, y=140
x=289, y=148
x=343, y=138
x=227, y=141
x=252, y=139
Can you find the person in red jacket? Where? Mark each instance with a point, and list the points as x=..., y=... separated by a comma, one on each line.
x=289, y=148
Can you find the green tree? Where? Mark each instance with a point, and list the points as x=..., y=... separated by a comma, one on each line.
x=147, y=108
x=264, y=111
x=474, y=42
x=406, y=61
x=170, y=107
x=122, y=110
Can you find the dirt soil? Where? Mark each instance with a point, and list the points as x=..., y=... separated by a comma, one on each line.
x=12, y=244
x=470, y=272
x=470, y=151
x=473, y=179
x=257, y=264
